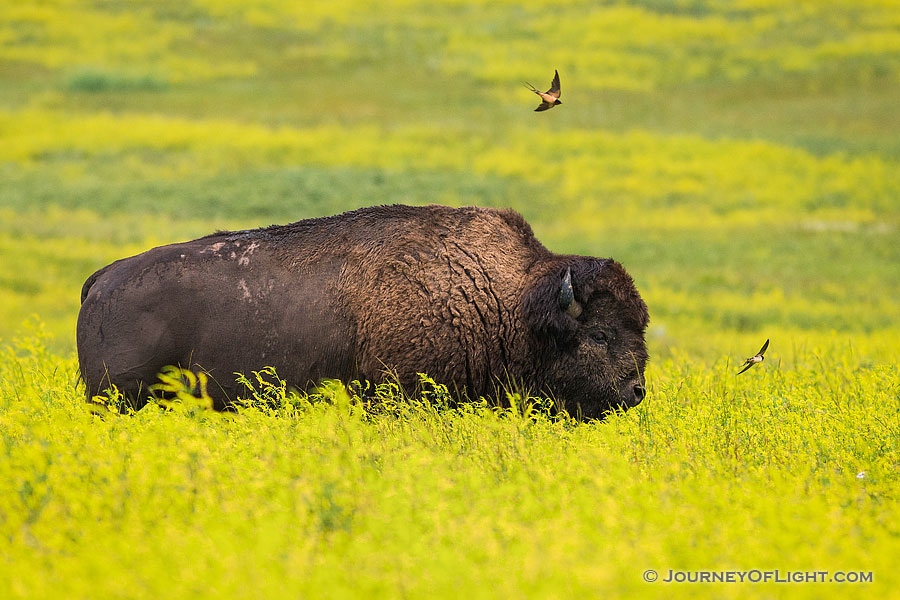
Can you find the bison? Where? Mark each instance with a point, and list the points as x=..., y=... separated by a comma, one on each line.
x=467, y=295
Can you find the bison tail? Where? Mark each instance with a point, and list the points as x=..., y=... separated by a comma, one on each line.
x=86, y=288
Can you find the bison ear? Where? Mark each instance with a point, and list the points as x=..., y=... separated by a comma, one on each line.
x=567, y=301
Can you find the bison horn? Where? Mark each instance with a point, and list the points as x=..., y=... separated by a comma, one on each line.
x=567, y=300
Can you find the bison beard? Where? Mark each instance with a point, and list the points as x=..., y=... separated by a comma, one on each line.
x=467, y=295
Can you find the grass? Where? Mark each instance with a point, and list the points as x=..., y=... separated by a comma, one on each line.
x=791, y=467
x=739, y=158
x=98, y=80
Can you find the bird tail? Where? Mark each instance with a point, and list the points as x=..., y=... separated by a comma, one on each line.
x=530, y=87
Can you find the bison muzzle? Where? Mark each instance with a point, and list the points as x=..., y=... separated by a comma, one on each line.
x=468, y=296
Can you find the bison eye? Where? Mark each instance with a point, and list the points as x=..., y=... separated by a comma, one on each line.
x=599, y=338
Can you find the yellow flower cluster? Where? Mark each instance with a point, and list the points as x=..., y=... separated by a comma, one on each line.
x=666, y=179
x=620, y=46
x=59, y=34
x=628, y=47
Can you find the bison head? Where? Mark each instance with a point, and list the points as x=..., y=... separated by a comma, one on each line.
x=588, y=327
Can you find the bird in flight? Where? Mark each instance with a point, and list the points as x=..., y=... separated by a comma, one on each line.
x=550, y=97
x=755, y=359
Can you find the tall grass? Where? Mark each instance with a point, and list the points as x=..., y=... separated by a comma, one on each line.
x=740, y=159
x=328, y=495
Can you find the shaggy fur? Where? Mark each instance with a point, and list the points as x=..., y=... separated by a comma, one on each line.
x=466, y=295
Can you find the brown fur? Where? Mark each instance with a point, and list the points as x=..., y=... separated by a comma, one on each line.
x=468, y=296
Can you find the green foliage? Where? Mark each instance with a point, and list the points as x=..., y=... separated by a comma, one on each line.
x=783, y=467
x=98, y=80
x=740, y=158
x=182, y=389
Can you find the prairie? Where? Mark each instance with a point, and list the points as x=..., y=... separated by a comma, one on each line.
x=741, y=159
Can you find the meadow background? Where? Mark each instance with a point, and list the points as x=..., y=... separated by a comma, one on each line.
x=740, y=158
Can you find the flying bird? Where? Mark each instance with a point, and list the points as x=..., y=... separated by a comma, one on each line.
x=755, y=359
x=550, y=97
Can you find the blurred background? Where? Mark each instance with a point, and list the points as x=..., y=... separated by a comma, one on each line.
x=740, y=158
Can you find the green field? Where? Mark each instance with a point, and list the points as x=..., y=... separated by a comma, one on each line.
x=741, y=159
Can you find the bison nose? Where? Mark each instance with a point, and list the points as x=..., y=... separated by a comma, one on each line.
x=639, y=393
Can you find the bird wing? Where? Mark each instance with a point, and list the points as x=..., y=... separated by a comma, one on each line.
x=750, y=364
x=543, y=106
x=554, y=85
x=763, y=349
